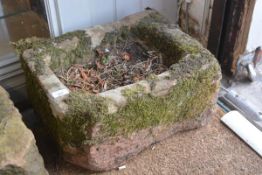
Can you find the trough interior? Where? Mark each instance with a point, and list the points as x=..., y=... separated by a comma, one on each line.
x=84, y=54
x=76, y=48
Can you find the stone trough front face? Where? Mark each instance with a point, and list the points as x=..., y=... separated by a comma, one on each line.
x=101, y=131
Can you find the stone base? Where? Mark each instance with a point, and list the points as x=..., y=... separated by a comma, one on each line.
x=115, y=151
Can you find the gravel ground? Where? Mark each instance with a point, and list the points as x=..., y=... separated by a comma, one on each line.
x=212, y=149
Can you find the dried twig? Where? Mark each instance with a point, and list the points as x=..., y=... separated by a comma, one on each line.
x=121, y=68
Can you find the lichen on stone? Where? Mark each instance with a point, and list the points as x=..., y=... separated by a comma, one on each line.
x=134, y=91
x=18, y=152
x=171, y=42
x=43, y=48
x=117, y=35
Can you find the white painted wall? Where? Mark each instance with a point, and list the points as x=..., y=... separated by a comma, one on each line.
x=199, y=13
x=4, y=36
x=196, y=11
x=167, y=7
x=255, y=33
x=68, y=15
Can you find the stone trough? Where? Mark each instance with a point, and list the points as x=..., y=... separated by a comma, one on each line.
x=102, y=131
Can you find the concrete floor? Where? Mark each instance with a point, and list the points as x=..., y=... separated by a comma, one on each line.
x=250, y=91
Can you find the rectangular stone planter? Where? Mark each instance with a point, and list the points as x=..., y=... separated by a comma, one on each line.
x=100, y=132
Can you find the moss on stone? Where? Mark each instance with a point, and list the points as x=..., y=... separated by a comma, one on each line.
x=157, y=35
x=85, y=110
x=188, y=99
x=5, y=104
x=40, y=66
x=40, y=102
x=134, y=91
x=148, y=32
x=81, y=54
x=68, y=130
x=152, y=77
x=59, y=57
x=116, y=36
x=11, y=170
x=30, y=43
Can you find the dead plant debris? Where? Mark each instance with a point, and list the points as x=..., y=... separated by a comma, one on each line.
x=120, y=65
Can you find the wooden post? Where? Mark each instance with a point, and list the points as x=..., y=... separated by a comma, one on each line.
x=236, y=25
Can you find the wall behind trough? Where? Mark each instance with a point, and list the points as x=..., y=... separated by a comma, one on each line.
x=199, y=19
x=255, y=36
x=66, y=15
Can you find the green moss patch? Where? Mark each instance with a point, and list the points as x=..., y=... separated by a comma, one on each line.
x=156, y=35
x=188, y=99
x=60, y=58
x=84, y=112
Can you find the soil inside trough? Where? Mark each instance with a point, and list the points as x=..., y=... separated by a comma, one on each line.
x=114, y=65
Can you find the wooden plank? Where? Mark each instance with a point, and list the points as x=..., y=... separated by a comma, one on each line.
x=241, y=42
x=26, y=24
x=14, y=6
x=238, y=17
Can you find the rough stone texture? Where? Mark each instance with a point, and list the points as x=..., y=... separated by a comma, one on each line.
x=115, y=151
x=18, y=152
x=100, y=132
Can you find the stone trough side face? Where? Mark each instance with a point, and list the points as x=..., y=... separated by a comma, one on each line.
x=100, y=132
x=18, y=151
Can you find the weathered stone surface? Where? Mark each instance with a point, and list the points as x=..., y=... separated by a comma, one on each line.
x=102, y=131
x=18, y=152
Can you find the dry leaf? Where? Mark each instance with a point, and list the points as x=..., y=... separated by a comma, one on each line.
x=99, y=65
x=126, y=56
x=83, y=74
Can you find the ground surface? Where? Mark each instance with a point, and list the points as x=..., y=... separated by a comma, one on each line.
x=213, y=149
